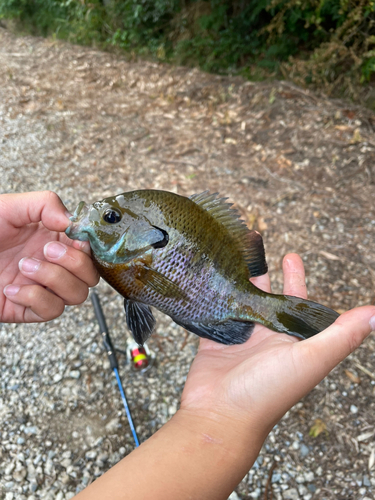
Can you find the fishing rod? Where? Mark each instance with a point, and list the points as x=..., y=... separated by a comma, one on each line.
x=108, y=346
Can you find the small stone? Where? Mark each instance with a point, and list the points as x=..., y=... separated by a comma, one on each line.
x=66, y=462
x=57, y=378
x=276, y=477
x=172, y=410
x=302, y=490
x=291, y=494
x=31, y=430
x=75, y=374
x=33, y=486
x=90, y=455
x=309, y=477
x=366, y=481
x=353, y=409
x=20, y=474
x=103, y=457
x=234, y=496
x=31, y=472
x=255, y=494
x=9, y=496
x=304, y=450
x=112, y=425
x=20, y=440
x=9, y=468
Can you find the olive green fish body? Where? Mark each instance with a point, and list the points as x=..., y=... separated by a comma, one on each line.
x=191, y=258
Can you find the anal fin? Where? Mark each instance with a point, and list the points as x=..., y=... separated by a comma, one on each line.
x=139, y=319
x=228, y=332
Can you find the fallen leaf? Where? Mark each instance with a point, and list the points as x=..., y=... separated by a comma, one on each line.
x=328, y=255
x=340, y=311
x=318, y=428
x=365, y=436
x=354, y=378
x=371, y=460
x=262, y=225
x=356, y=136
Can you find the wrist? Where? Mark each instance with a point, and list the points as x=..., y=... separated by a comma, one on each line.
x=219, y=444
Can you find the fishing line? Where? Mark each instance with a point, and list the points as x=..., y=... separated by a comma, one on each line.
x=108, y=346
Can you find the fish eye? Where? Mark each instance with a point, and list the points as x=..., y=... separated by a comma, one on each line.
x=111, y=216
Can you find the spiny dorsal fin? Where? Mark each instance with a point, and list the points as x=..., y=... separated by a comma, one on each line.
x=250, y=242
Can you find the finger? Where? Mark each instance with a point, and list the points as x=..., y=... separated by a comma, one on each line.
x=263, y=282
x=321, y=353
x=84, y=246
x=294, y=276
x=40, y=304
x=63, y=283
x=37, y=206
x=75, y=261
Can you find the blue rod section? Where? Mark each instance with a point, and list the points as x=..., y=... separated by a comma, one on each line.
x=128, y=414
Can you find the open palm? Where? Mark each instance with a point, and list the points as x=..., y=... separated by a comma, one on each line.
x=261, y=379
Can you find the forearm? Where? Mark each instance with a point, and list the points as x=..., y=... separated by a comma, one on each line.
x=188, y=458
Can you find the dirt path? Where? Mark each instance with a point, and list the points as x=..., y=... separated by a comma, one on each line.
x=300, y=169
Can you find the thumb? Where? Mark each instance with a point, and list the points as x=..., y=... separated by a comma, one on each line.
x=321, y=353
x=44, y=206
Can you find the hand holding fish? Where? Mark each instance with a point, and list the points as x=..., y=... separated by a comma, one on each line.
x=41, y=270
x=232, y=398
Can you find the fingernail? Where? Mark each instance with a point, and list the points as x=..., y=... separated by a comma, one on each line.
x=372, y=323
x=11, y=290
x=29, y=265
x=54, y=250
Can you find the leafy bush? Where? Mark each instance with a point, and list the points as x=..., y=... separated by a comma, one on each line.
x=329, y=44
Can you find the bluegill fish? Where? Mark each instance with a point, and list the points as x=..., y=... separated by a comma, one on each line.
x=191, y=258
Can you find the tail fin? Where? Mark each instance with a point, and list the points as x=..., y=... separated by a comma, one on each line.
x=299, y=317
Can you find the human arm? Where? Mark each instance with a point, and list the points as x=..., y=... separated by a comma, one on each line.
x=31, y=236
x=233, y=397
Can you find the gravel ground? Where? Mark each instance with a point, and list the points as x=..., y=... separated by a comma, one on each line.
x=299, y=167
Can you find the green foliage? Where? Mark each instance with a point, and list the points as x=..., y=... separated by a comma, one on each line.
x=326, y=43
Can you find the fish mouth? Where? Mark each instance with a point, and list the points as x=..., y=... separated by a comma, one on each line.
x=80, y=223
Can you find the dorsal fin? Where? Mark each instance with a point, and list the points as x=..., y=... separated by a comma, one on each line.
x=250, y=243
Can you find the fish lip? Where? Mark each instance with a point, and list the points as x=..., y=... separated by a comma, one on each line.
x=78, y=211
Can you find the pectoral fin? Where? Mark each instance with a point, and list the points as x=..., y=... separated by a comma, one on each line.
x=159, y=283
x=140, y=320
x=228, y=332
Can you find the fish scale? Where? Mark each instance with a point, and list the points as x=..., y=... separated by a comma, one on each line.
x=191, y=258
